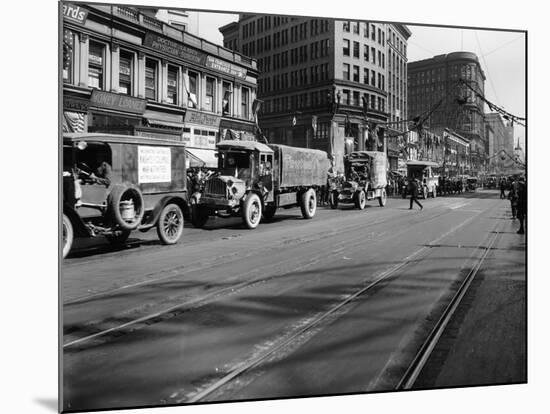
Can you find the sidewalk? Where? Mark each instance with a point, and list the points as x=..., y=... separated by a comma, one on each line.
x=486, y=341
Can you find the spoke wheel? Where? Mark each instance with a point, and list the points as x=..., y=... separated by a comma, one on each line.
x=170, y=224
x=382, y=199
x=68, y=235
x=361, y=200
x=252, y=211
x=308, y=204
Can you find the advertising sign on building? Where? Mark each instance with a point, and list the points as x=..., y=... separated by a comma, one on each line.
x=102, y=99
x=154, y=164
x=174, y=48
x=200, y=118
x=226, y=67
x=74, y=13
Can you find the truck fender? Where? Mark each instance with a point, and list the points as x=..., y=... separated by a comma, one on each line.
x=80, y=229
x=154, y=216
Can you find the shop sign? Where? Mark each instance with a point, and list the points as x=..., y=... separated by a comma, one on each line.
x=74, y=13
x=154, y=164
x=115, y=101
x=75, y=104
x=200, y=118
x=174, y=48
x=225, y=67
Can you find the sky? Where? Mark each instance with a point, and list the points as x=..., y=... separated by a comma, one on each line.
x=501, y=55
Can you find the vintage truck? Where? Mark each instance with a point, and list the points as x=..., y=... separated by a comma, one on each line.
x=254, y=179
x=423, y=171
x=364, y=179
x=143, y=185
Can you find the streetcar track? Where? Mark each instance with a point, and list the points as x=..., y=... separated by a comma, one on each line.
x=287, y=341
x=149, y=277
x=208, y=298
x=409, y=378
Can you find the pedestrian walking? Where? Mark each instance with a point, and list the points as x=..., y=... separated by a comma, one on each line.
x=502, y=188
x=521, y=209
x=513, y=197
x=413, y=189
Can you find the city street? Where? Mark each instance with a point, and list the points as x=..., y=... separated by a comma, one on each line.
x=334, y=305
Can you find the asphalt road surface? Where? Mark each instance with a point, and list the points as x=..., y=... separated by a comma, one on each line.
x=234, y=314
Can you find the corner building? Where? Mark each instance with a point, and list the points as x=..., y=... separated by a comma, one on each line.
x=445, y=78
x=126, y=72
x=324, y=83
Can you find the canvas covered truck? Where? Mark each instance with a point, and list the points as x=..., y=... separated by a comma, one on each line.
x=364, y=179
x=254, y=179
x=423, y=171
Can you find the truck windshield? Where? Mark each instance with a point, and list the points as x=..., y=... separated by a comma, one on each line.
x=232, y=160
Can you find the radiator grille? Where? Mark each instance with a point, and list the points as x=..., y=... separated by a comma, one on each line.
x=217, y=187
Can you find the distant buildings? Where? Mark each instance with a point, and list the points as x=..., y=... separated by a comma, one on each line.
x=445, y=87
x=327, y=84
x=502, y=140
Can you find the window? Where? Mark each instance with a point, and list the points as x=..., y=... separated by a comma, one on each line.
x=151, y=79
x=172, y=85
x=373, y=54
x=345, y=26
x=356, y=49
x=356, y=98
x=346, y=72
x=356, y=28
x=373, y=78
x=366, y=53
x=68, y=56
x=373, y=33
x=346, y=47
x=96, y=65
x=125, y=72
x=346, y=97
x=193, y=89
x=365, y=76
x=245, y=103
x=356, y=73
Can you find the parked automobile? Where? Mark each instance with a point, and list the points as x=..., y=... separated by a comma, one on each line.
x=115, y=184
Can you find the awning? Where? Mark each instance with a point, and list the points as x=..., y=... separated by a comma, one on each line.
x=199, y=157
x=162, y=122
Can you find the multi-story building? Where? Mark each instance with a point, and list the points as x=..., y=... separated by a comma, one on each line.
x=324, y=83
x=126, y=72
x=448, y=89
x=500, y=141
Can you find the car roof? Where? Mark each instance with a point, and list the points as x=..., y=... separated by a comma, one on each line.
x=245, y=145
x=120, y=139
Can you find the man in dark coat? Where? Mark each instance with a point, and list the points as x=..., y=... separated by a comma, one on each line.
x=413, y=189
x=521, y=208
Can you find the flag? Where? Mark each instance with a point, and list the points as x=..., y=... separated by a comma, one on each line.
x=75, y=121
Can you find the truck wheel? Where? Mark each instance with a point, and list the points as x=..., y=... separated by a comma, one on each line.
x=425, y=193
x=68, y=235
x=118, y=237
x=434, y=192
x=382, y=198
x=170, y=224
x=360, y=200
x=269, y=212
x=308, y=204
x=199, y=216
x=333, y=199
x=252, y=211
x=118, y=197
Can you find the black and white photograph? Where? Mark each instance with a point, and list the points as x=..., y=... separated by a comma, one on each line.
x=261, y=206
x=264, y=206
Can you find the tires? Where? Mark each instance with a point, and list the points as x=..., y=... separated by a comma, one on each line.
x=269, y=212
x=333, y=199
x=170, y=224
x=360, y=200
x=126, y=206
x=308, y=204
x=382, y=198
x=118, y=237
x=199, y=216
x=434, y=192
x=252, y=211
x=68, y=235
